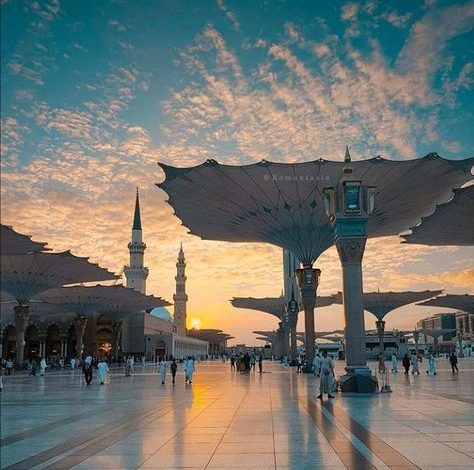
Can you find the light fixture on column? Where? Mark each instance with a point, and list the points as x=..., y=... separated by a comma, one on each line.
x=348, y=206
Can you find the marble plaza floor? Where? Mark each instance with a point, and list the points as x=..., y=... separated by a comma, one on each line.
x=231, y=421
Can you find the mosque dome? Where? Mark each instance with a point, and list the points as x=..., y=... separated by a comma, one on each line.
x=163, y=313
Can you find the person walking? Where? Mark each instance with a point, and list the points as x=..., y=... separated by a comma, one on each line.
x=414, y=365
x=431, y=365
x=33, y=368
x=453, y=360
x=189, y=370
x=162, y=368
x=394, y=364
x=73, y=363
x=143, y=361
x=87, y=370
x=299, y=363
x=42, y=367
x=9, y=366
x=232, y=363
x=327, y=376
x=317, y=365
x=260, y=363
x=174, y=369
x=406, y=363
x=102, y=370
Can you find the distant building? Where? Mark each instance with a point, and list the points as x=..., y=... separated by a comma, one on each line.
x=437, y=322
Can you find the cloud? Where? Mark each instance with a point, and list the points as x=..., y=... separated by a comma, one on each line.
x=229, y=14
x=349, y=11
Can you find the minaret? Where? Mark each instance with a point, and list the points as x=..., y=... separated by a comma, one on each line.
x=136, y=273
x=180, y=298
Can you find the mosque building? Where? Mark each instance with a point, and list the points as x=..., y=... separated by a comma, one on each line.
x=157, y=333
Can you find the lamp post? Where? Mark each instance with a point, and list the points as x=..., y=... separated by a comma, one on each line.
x=380, y=325
x=308, y=280
x=416, y=338
x=348, y=206
x=293, y=321
x=285, y=326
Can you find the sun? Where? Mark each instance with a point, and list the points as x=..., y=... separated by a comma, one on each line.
x=195, y=323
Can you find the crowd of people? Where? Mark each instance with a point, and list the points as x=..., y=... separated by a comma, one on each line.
x=245, y=362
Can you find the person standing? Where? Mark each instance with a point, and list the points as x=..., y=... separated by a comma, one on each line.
x=42, y=367
x=394, y=364
x=132, y=364
x=327, y=376
x=102, y=369
x=73, y=363
x=174, y=369
x=162, y=369
x=453, y=360
x=87, y=370
x=143, y=361
x=232, y=363
x=317, y=365
x=189, y=370
x=414, y=365
x=260, y=363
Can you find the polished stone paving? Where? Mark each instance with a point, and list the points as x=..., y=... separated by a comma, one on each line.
x=231, y=421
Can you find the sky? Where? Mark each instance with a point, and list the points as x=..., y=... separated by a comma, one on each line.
x=94, y=94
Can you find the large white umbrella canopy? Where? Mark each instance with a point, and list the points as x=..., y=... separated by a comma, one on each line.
x=274, y=305
x=450, y=224
x=25, y=276
x=115, y=301
x=282, y=203
x=464, y=302
x=14, y=243
x=381, y=304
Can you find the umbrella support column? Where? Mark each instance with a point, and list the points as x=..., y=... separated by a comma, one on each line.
x=22, y=316
x=80, y=326
x=308, y=280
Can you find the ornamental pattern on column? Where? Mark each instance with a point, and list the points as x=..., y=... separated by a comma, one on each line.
x=350, y=250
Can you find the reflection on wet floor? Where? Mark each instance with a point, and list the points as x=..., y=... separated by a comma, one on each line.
x=228, y=420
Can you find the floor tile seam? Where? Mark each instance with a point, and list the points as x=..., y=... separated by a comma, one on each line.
x=96, y=441
x=44, y=428
x=184, y=427
x=88, y=440
x=350, y=421
x=324, y=433
x=227, y=428
x=457, y=450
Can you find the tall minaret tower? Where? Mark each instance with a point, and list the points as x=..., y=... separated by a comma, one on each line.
x=180, y=298
x=136, y=273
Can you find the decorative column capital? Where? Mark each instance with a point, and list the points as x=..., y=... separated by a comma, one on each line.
x=308, y=281
x=380, y=325
x=351, y=250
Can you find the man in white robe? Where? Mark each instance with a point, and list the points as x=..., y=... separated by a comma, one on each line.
x=431, y=365
x=73, y=363
x=189, y=369
x=102, y=369
x=327, y=376
x=317, y=365
x=42, y=366
x=162, y=367
x=394, y=363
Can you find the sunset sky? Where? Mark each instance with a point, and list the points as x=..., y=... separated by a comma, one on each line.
x=94, y=94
